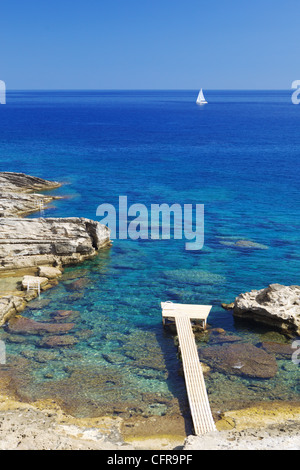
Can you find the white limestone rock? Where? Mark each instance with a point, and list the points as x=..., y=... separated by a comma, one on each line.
x=27, y=243
x=277, y=306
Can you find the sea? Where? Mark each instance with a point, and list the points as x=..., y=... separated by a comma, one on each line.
x=238, y=157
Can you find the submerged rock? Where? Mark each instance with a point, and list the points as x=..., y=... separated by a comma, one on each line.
x=281, y=351
x=250, y=244
x=45, y=356
x=78, y=285
x=194, y=276
x=23, y=325
x=65, y=315
x=220, y=339
x=245, y=244
x=39, y=304
x=142, y=348
x=114, y=358
x=58, y=341
x=277, y=306
x=240, y=359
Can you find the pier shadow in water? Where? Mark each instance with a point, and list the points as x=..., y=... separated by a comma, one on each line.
x=175, y=380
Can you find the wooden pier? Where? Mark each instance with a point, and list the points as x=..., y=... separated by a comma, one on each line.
x=193, y=374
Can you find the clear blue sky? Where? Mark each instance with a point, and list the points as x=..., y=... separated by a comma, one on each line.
x=149, y=44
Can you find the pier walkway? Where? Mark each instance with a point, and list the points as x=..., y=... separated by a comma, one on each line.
x=193, y=374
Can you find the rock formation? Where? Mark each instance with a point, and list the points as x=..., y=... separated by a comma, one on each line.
x=10, y=305
x=17, y=194
x=29, y=243
x=240, y=359
x=38, y=248
x=277, y=306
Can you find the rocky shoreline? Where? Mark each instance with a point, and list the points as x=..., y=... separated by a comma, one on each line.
x=33, y=253
x=276, y=306
x=44, y=426
x=37, y=249
x=19, y=194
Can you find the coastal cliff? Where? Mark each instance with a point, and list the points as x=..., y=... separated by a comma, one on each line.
x=276, y=306
x=37, y=249
x=18, y=195
x=29, y=243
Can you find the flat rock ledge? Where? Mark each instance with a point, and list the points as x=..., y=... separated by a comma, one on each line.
x=39, y=248
x=18, y=195
x=277, y=306
x=10, y=305
x=30, y=243
x=262, y=426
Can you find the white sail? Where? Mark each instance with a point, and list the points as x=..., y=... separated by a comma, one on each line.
x=201, y=99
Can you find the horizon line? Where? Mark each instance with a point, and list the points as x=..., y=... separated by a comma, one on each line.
x=145, y=89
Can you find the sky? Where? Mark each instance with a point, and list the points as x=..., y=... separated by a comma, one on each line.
x=149, y=44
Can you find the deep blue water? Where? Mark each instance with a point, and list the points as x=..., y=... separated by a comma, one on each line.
x=238, y=155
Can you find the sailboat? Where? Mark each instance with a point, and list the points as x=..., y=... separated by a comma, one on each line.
x=201, y=99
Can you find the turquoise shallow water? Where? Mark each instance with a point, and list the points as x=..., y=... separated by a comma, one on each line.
x=238, y=156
